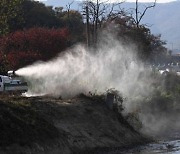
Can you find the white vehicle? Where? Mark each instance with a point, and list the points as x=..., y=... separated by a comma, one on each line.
x=164, y=70
x=10, y=84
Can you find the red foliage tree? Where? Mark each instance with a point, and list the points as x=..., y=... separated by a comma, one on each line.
x=21, y=59
x=24, y=47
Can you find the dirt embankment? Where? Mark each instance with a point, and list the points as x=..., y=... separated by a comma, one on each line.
x=46, y=125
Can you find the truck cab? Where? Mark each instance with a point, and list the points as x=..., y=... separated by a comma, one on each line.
x=10, y=84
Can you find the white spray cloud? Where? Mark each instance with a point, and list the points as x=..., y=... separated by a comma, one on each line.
x=78, y=70
x=112, y=65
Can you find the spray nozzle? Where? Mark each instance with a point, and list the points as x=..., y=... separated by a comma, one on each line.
x=11, y=73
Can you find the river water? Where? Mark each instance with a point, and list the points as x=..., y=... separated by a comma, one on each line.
x=161, y=147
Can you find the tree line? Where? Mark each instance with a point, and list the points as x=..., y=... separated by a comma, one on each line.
x=31, y=31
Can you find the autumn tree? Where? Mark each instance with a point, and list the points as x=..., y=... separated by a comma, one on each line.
x=149, y=47
x=24, y=47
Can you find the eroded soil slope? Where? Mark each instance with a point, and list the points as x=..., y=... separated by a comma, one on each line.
x=50, y=125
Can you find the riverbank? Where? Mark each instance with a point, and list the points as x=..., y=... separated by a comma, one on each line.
x=49, y=125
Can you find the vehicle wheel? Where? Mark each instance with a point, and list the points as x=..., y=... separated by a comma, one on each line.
x=165, y=73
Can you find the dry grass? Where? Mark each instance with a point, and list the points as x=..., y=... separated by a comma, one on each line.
x=20, y=123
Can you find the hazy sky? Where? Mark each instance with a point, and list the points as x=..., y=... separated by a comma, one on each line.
x=159, y=1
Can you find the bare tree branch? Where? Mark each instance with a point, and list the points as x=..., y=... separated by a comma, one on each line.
x=68, y=6
x=138, y=19
x=99, y=10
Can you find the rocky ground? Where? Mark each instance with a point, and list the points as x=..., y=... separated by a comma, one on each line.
x=52, y=125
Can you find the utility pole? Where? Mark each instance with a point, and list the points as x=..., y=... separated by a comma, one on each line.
x=87, y=26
